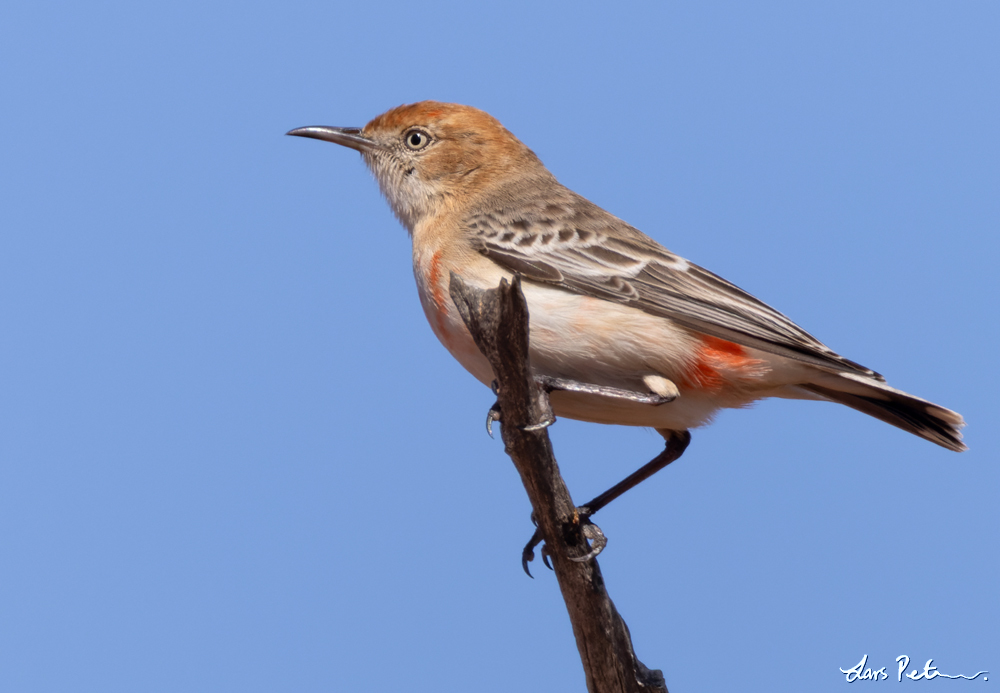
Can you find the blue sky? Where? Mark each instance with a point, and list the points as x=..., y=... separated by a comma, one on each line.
x=233, y=457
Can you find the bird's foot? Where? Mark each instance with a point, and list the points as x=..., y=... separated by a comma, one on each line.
x=592, y=534
x=528, y=553
x=493, y=415
x=540, y=425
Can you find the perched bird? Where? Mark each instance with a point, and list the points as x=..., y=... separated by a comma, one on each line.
x=611, y=309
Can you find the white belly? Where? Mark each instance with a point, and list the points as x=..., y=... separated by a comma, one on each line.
x=583, y=339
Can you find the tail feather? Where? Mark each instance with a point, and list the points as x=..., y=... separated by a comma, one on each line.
x=918, y=416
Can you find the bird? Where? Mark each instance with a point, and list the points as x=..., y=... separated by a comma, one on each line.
x=623, y=330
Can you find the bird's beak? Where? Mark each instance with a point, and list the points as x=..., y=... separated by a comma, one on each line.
x=348, y=137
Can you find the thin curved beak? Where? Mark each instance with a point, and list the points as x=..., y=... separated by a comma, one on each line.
x=348, y=137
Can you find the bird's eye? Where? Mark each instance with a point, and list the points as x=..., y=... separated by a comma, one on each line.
x=416, y=139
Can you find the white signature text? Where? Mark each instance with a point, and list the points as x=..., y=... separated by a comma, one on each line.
x=861, y=672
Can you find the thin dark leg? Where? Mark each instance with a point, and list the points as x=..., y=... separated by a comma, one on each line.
x=676, y=444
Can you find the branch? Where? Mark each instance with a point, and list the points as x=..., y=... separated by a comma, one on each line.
x=498, y=322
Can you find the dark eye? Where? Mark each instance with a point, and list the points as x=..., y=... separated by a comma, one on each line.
x=416, y=139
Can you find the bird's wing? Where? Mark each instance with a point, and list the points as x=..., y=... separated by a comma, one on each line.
x=566, y=241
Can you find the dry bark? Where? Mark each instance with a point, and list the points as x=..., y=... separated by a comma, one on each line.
x=498, y=321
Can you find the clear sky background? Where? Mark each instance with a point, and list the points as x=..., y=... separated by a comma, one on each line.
x=233, y=457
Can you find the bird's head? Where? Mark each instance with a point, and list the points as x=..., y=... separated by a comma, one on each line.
x=431, y=156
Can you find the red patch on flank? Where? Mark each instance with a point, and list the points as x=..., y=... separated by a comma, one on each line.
x=437, y=290
x=717, y=362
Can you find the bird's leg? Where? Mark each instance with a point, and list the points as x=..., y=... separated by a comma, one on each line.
x=662, y=391
x=551, y=384
x=676, y=443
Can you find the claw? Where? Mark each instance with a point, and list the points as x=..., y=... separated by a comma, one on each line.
x=492, y=415
x=591, y=532
x=597, y=540
x=539, y=426
x=528, y=552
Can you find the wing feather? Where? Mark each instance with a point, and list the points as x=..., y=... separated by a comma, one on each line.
x=572, y=243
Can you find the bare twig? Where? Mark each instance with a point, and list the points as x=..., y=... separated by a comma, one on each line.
x=498, y=321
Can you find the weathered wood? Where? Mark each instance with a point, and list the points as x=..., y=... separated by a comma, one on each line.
x=498, y=322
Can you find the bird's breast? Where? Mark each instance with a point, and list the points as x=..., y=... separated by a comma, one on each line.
x=432, y=269
x=596, y=342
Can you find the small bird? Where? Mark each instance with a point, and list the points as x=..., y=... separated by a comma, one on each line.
x=611, y=311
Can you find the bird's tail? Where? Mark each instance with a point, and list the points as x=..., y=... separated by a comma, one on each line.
x=875, y=398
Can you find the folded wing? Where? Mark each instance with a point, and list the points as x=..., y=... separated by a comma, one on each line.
x=568, y=241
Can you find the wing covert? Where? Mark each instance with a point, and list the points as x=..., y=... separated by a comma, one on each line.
x=574, y=244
